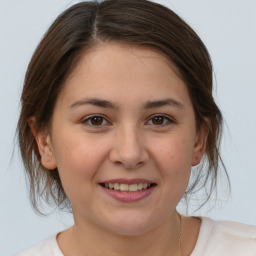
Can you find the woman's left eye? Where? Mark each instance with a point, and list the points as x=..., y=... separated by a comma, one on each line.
x=96, y=121
x=160, y=120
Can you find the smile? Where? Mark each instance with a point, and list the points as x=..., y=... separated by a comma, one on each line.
x=128, y=190
x=126, y=187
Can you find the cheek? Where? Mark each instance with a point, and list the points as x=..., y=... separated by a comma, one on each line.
x=79, y=154
x=78, y=163
x=173, y=158
x=174, y=154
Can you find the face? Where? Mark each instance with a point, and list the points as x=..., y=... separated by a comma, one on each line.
x=125, y=120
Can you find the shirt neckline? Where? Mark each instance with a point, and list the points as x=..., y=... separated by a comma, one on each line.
x=206, y=227
x=203, y=237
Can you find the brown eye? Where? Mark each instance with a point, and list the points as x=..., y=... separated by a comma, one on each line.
x=158, y=120
x=96, y=120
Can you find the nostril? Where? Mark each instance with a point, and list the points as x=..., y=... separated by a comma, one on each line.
x=128, y=156
x=128, y=165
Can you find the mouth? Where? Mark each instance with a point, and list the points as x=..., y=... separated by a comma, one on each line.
x=128, y=190
x=125, y=187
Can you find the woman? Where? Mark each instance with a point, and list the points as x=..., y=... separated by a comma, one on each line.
x=117, y=107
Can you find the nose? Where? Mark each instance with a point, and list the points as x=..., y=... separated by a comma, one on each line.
x=128, y=149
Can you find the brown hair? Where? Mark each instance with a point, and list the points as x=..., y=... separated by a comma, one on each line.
x=86, y=25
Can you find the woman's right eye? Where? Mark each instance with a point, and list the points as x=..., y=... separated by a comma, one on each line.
x=95, y=121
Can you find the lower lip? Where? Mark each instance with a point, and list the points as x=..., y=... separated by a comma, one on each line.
x=129, y=196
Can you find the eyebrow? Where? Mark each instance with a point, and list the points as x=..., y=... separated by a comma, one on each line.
x=95, y=102
x=107, y=104
x=161, y=103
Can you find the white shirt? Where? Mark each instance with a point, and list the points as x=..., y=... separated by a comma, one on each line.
x=216, y=238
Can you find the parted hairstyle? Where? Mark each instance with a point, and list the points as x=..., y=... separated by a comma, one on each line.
x=86, y=25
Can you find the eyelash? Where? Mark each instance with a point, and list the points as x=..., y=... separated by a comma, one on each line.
x=89, y=119
x=165, y=117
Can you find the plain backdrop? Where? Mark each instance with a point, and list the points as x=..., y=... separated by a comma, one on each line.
x=228, y=28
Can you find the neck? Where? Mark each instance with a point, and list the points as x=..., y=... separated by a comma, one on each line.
x=89, y=239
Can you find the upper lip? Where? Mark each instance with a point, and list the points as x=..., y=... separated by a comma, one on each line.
x=128, y=181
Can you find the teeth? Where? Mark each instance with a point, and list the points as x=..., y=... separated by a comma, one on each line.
x=133, y=187
x=125, y=187
x=140, y=186
x=116, y=186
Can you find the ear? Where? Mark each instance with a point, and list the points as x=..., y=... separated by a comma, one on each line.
x=200, y=143
x=44, y=145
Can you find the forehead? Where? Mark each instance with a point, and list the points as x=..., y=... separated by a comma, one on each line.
x=112, y=68
x=114, y=52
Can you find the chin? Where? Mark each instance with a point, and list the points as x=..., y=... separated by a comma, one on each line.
x=130, y=225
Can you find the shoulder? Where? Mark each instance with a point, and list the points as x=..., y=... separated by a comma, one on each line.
x=47, y=247
x=236, y=229
x=229, y=227
x=225, y=238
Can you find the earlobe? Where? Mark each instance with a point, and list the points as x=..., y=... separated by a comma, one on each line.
x=44, y=145
x=200, y=144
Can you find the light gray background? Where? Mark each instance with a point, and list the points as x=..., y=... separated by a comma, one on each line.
x=228, y=29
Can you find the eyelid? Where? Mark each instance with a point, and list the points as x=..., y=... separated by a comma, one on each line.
x=86, y=119
x=169, y=118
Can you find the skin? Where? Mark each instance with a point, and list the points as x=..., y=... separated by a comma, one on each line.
x=126, y=143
